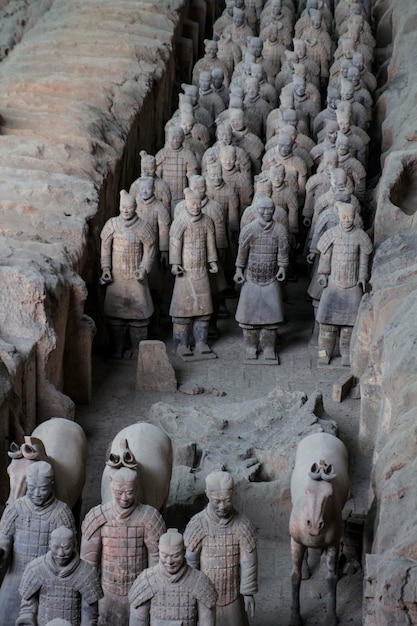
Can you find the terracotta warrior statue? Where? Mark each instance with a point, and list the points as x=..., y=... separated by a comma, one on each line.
x=218, y=85
x=172, y=592
x=25, y=530
x=120, y=538
x=174, y=162
x=344, y=270
x=127, y=255
x=154, y=213
x=148, y=168
x=192, y=255
x=59, y=584
x=220, y=542
x=261, y=265
x=209, y=62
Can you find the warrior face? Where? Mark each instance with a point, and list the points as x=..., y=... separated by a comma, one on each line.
x=217, y=78
x=346, y=216
x=199, y=186
x=193, y=205
x=171, y=557
x=214, y=174
x=265, y=208
x=124, y=493
x=175, y=138
x=39, y=489
x=344, y=124
x=148, y=168
x=127, y=208
x=62, y=548
x=285, y=146
x=256, y=46
x=146, y=189
x=221, y=502
x=204, y=82
x=211, y=49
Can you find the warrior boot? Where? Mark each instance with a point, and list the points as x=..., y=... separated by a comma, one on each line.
x=181, y=335
x=327, y=337
x=344, y=344
x=117, y=331
x=268, y=341
x=251, y=340
x=200, y=332
x=137, y=334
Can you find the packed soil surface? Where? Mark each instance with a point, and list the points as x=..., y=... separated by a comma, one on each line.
x=116, y=403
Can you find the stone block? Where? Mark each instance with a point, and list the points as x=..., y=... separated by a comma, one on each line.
x=154, y=371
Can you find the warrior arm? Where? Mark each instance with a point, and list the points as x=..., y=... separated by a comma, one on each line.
x=89, y=614
x=164, y=220
x=193, y=558
x=149, y=251
x=106, y=253
x=153, y=530
x=206, y=615
x=140, y=616
x=211, y=244
x=248, y=573
x=28, y=611
x=90, y=550
x=325, y=263
x=5, y=546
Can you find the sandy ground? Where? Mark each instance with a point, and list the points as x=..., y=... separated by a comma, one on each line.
x=116, y=403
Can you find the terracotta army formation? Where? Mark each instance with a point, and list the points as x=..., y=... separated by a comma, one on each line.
x=220, y=542
x=59, y=585
x=121, y=539
x=127, y=255
x=25, y=531
x=344, y=269
x=261, y=268
x=192, y=255
x=172, y=592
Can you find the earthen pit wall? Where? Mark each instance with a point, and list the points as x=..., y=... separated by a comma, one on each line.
x=385, y=336
x=89, y=85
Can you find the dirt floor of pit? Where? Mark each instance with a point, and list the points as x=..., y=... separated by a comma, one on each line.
x=116, y=403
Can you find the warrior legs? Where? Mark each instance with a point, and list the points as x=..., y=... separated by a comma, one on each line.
x=327, y=337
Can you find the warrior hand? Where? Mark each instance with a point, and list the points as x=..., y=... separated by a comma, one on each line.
x=177, y=270
x=249, y=605
x=238, y=277
x=106, y=276
x=310, y=258
x=164, y=259
x=322, y=280
x=362, y=283
x=281, y=274
x=140, y=274
x=213, y=268
x=307, y=222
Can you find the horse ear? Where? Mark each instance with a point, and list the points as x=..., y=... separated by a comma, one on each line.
x=15, y=452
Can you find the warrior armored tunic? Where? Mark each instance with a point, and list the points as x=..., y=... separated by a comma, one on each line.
x=192, y=245
x=25, y=529
x=263, y=248
x=49, y=592
x=174, y=598
x=127, y=246
x=345, y=259
x=122, y=544
x=226, y=552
